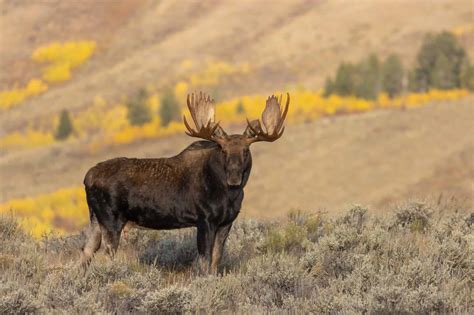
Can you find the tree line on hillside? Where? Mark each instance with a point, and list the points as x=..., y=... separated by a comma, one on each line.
x=441, y=63
x=138, y=113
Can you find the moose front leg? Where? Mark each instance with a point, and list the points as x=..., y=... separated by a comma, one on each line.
x=219, y=242
x=206, y=234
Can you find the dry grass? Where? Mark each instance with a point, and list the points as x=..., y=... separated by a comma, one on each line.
x=143, y=43
x=418, y=260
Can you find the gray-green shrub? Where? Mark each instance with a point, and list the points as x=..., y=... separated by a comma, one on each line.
x=417, y=259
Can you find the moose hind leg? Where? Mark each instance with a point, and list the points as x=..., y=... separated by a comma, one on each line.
x=92, y=242
x=111, y=239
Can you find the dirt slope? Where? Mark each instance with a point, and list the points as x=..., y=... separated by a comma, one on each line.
x=144, y=42
x=373, y=159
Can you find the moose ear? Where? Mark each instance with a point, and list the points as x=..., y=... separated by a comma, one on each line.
x=252, y=129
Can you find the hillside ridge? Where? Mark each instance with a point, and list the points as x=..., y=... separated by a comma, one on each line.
x=142, y=43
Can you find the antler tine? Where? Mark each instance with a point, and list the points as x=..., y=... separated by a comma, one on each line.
x=202, y=112
x=251, y=127
x=190, y=131
x=273, y=119
x=285, y=111
x=192, y=109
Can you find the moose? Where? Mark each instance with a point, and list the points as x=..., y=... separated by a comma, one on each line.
x=200, y=187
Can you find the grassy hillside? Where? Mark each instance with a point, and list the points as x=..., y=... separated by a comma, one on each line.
x=417, y=260
x=373, y=158
x=158, y=43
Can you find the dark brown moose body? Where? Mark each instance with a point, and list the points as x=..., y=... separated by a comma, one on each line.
x=202, y=186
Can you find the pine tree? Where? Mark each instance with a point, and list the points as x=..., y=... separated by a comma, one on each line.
x=240, y=108
x=169, y=110
x=344, y=82
x=367, y=78
x=467, y=75
x=392, y=76
x=442, y=76
x=65, y=126
x=328, y=87
x=138, y=111
x=439, y=63
x=417, y=81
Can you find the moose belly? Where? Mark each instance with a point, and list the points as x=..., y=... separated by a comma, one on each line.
x=159, y=207
x=161, y=219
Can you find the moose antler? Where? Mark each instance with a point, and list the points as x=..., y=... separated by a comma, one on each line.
x=273, y=118
x=202, y=111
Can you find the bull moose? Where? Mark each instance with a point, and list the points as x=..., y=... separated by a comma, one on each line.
x=200, y=187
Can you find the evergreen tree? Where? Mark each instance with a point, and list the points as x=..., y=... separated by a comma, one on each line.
x=442, y=76
x=65, y=126
x=344, y=82
x=439, y=63
x=467, y=75
x=367, y=78
x=328, y=87
x=392, y=76
x=169, y=110
x=138, y=111
x=240, y=108
x=417, y=81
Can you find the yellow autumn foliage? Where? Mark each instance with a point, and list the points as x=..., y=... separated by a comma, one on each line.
x=130, y=134
x=36, y=87
x=305, y=106
x=106, y=126
x=181, y=91
x=61, y=58
x=15, y=96
x=465, y=29
x=186, y=65
x=62, y=211
x=213, y=73
x=100, y=118
x=308, y=105
x=29, y=139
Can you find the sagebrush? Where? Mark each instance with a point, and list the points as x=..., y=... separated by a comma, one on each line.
x=419, y=259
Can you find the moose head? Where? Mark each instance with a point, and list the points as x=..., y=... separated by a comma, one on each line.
x=235, y=147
